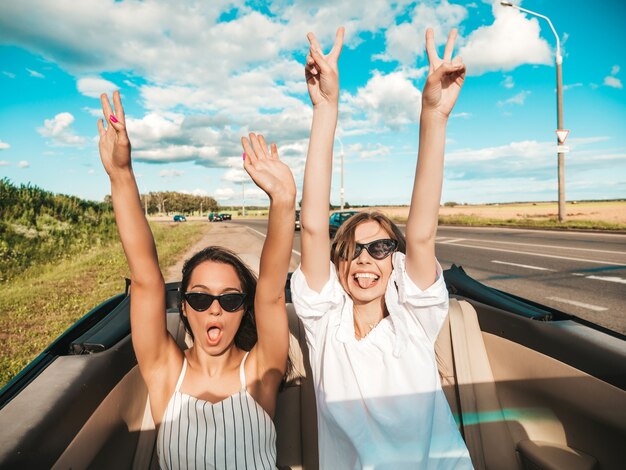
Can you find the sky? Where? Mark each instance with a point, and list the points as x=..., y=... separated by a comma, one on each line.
x=195, y=76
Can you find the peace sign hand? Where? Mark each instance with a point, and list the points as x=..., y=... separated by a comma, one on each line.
x=321, y=71
x=445, y=77
x=266, y=170
x=114, y=144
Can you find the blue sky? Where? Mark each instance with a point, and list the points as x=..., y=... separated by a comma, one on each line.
x=196, y=76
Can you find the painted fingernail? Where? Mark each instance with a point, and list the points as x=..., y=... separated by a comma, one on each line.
x=244, y=155
x=112, y=118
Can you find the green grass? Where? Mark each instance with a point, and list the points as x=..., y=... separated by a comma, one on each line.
x=530, y=222
x=43, y=301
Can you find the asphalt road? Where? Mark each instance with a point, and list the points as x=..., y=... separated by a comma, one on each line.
x=583, y=274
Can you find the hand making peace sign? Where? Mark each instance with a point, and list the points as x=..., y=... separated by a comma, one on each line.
x=445, y=76
x=321, y=71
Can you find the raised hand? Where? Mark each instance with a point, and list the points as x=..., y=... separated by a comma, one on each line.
x=114, y=144
x=265, y=169
x=445, y=76
x=321, y=71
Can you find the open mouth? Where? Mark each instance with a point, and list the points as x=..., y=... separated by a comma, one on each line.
x=214, y=334
x=366, y=280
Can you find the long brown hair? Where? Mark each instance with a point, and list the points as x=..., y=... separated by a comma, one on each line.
x=344, y=241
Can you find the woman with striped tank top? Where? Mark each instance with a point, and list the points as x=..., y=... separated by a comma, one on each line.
x=214, y=402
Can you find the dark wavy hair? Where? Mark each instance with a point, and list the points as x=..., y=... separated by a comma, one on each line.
x=344, y=242
x=246, y=336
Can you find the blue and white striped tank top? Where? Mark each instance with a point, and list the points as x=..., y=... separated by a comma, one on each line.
x=233, y=433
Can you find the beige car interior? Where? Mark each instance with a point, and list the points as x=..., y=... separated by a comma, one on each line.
x=517, y=407
x=521, y=409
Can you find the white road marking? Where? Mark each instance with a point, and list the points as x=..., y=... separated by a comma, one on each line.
x=522, y=265
x=595, y=308
x=265, y=236
x=538, y=254
x=545, y=246
x=560, y=233
x=608, y=278
x=454, y=240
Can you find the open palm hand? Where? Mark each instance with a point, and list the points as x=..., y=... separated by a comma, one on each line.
x=114, y=144
x=266, y=170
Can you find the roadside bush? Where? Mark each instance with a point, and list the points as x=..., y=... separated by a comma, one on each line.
x=38, y=226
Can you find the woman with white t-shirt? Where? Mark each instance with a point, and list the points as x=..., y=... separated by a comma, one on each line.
x=373, y=306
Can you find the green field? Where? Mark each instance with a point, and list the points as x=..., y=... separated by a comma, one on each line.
x=44, y=300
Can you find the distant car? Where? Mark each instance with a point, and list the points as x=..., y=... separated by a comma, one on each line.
x=297, y=220
x=215, y=217
x=338, y=218
x=180, y=218
x=226, y=216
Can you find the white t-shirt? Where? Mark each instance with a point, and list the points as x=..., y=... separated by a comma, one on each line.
x=379, y=400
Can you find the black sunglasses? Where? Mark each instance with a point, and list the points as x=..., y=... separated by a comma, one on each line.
x=200, y=301
x=378, y=249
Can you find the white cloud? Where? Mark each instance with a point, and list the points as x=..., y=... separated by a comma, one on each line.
x=170, y=173
x=4, y=145
x=235, y=175
x=95, y=112
x=93, y=87
x=91, y=171
x=524, y=167
x=572, y=86
x=461, y=115
x=370, y=152
x=8, y=74
x=23, y=164
x=4, y=163
x=406, y=41
x=508, y=82
x=199, y=192
x=224, y=193
x=512, y=40
x=34, y=73
x=523, y=150
x=59, y=130
x=517, y=99
x=389, y=100
x=251, y=194
x=613, y=82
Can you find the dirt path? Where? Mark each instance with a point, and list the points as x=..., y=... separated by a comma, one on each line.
x=242, y=240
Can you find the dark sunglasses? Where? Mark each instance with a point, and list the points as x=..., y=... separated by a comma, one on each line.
x=378, y=249
x=200, y=301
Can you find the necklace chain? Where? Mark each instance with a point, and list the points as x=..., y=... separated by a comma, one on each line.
x=371, y=326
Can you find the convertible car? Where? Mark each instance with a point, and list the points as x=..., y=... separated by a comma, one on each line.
x=530, y=387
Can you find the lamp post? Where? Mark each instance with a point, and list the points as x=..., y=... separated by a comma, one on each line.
x=243, y=198
x=559, y=108
x=341, y=190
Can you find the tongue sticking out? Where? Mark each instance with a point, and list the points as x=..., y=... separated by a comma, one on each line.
x=364, y=282
x=214, y=333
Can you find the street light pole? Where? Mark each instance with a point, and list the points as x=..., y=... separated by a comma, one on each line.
x=243, y=199
x=341, y=190
x=559, y=107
